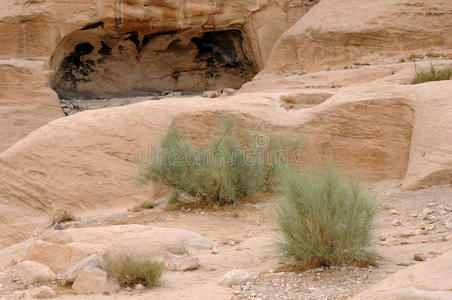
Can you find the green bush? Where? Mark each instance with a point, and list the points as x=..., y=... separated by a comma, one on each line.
x=146, y=204
x=219, y=174
x=130, y=271
x=61, y=216
x=432, y=75
x=325, y=220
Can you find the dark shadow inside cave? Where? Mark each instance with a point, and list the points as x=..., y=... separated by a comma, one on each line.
x=95, y=63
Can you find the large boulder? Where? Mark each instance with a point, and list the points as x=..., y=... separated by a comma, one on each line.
x=59, y=257
x=92, y=280
x=429, y=280
x=71, y=273
x=31, y=272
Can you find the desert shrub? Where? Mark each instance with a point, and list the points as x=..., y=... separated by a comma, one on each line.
x=130, y=271
x=143, y=205
x=325, y=220
x=432, y=75
x=146, y=204
x=221, y=173
x=61, y=216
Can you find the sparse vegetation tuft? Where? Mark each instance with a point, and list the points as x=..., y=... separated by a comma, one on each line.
x=325, y=220
x=130, y=271
x=143, y=205
x=61, y=216
x=222, y=173
x=432, y=75
x=146, y=204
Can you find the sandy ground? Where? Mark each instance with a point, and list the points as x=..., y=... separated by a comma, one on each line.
x=245, y=236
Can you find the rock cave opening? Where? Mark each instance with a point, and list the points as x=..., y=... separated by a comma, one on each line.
x=94, y=63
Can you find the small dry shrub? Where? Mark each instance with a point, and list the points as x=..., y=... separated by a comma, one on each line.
x=61, y=216
x=130, y=271
x=216, y=175
x=325, y=220
x=143, y=205
x=147, y=204
x=432, y=75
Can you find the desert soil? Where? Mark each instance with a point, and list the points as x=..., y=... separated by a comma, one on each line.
x=408, y=223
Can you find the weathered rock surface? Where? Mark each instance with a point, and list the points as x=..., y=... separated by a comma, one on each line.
x=71, y=273
x=180, y=263
x=43, y=292
x=235, y=277
x=391, y=124
x=56, y=237
x=375, y=125
x=59, y=257
x=26, y=101
x=103, y=48
x=429, y=280
x=90, y=243
x=32, y=272
x=93, y=281
x=338, y=34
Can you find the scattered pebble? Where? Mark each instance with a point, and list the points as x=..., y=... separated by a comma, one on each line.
x=320, y=283
x=419, y=257
x=396, y=222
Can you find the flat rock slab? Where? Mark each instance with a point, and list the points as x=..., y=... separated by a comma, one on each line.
x=429, y=280
x=138, y=240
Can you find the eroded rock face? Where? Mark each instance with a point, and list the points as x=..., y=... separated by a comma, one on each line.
x=104, y=48
x=338, y=34
x=103, y=63
x=26, y=100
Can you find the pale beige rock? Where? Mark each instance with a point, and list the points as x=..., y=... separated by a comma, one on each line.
x=92, y=280
x=430, y=157
x=26, y=101
x=97, y=140
x=413, y=294
x=141, y=240
x=338, y=33
x=71, y=273
x=210, y=94
x=429, y=280
x=39, y=35
x=59, y=257
x=180, y=263
x=49, y=22
x=376, y=127
x=137, y=240
x=32, y=272
x=56, y=237
x=235, y=277
x=43, y=292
